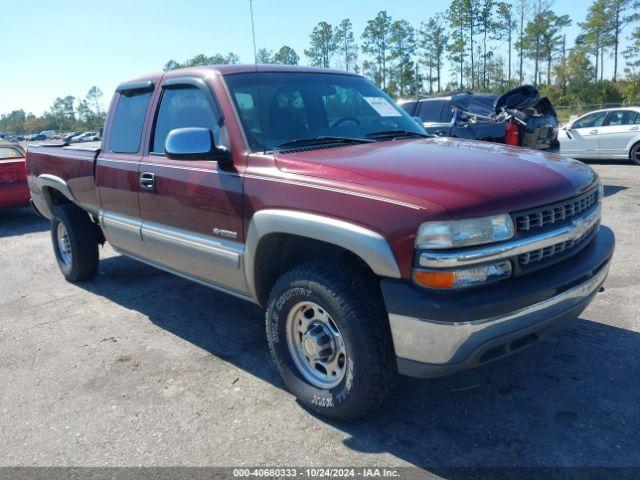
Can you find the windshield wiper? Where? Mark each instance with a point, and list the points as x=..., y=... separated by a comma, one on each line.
x=396, y=134
x=322, y=140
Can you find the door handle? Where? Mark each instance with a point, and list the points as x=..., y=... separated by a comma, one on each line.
x=148, y=181
x=593, y=132
x=634, y=128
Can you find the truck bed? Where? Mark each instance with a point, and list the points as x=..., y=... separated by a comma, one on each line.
x=74, y=164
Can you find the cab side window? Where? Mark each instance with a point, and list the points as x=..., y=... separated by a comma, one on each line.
x=128, y=120
x=183, y=107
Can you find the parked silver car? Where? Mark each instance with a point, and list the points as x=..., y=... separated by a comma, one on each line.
x=604, y=134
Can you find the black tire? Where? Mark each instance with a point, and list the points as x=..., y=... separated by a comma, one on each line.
x=355, y=306
x=82, y=235
x=634, y=154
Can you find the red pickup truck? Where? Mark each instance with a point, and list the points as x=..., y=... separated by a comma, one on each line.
x=375, y=249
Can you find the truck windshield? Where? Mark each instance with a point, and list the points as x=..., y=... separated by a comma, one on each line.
x=285, y=109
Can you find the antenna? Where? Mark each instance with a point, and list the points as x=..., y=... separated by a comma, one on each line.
x=253, y=33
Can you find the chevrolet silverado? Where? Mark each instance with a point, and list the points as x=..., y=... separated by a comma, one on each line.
x=375, y=249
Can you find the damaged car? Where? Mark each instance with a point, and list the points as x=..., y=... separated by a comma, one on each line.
x=518, y=117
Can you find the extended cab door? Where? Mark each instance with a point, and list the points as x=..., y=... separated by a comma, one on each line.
x=117, y=167
x=191, y=209
x=582, y=138
x=620, y=128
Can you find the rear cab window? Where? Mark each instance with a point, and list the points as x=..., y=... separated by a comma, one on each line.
x=128, y=121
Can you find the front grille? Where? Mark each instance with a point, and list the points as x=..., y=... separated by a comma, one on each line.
x=535, y=256
x=554, y=213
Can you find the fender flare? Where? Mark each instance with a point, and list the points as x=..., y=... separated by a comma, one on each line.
x=42, y=199
x=370, y=246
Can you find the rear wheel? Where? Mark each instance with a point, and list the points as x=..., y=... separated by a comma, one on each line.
x=75, y=242
x=634, y=154
x=330, y=340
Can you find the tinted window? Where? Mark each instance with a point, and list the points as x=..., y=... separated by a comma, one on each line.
x=430, y=111
x=409, y=107
x=593, y=120
x=277, y=108
x=622, y=117
x=128, y=120
x=447, y=113
x=181, y=108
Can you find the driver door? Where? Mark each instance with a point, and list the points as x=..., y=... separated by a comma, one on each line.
x=191, y=209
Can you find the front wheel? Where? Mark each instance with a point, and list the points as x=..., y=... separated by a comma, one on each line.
x=330, y=341
x=75, y=242
x=634, y=154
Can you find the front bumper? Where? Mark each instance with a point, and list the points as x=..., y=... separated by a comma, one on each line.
x=436, y=334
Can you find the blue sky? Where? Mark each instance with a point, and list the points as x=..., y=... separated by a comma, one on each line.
x=62, y=47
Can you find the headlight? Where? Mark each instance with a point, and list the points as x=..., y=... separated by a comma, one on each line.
x=464, y=233
x=461, y=278
x=600, y=190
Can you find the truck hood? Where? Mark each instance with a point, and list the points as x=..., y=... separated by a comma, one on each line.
x=466, y=178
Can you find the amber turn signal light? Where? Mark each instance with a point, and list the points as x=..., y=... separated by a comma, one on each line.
x=435, y=279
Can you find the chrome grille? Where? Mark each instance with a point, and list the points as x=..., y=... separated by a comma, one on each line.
x=540, y=254
x=557, y=212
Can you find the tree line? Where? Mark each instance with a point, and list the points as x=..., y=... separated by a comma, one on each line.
x=67, y=114
x=486, y=45
x=479, y=45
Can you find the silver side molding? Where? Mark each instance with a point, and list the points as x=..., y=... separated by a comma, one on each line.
x=370, y=246
x=223, y=252
x=214, y=260
x=122, y=231
x=192, y=278
x=458, y=258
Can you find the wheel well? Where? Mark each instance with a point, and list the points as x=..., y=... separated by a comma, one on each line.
x=54, y=197
x=278, y=253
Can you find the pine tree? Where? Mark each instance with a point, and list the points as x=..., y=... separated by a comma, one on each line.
x=376, y=42
x=323, y=45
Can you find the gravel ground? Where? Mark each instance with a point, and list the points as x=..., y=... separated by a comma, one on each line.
x=138, y=367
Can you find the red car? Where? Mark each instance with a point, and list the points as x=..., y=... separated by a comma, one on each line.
x=14, y=189
x=374, y=249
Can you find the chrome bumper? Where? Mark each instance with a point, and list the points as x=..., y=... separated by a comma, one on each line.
x=461, y=345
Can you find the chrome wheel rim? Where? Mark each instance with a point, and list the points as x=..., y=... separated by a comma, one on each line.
x=64, y=244
x=316, y=345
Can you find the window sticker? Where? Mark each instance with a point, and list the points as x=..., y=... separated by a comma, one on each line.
x=382, y=106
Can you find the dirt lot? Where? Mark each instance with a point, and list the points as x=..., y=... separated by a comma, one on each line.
x=139, y=367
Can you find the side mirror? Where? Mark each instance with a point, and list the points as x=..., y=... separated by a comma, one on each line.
x=194, y=144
